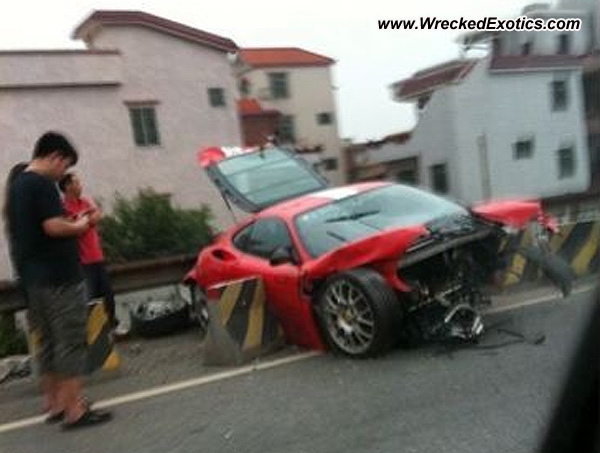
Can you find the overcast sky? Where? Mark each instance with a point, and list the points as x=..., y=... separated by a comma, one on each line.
x=368, y=59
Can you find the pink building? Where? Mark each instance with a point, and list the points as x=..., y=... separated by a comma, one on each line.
x=137, y=103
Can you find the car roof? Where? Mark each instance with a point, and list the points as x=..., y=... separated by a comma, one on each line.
x=289, y=209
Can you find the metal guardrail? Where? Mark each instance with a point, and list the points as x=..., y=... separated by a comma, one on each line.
x=125, y=278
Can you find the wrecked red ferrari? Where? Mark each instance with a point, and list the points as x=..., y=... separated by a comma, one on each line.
x=355, y=268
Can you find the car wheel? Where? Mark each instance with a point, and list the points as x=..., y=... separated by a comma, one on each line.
x=358, y=311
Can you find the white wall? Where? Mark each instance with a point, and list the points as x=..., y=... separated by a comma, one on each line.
x=546, y=42
x=20, y=69
x=176, y=73
x=472, y=120
x=499, y=108
x=433, y=141
x=592, y=7
x=523, y=106
x=506, y=107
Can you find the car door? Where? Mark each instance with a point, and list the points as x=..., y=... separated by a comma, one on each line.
x=255, y=179
x=257, y=242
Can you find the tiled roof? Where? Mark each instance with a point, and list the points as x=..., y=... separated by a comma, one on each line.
x=534, y=62
x=106, y=18
x=428, y=79
x=266, y=57
x=251, y=107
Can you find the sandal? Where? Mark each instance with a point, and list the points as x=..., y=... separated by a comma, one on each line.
x=90, y=417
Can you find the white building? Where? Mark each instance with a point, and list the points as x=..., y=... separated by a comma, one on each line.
x=297, y=83
x=137, y=103
x=509, y=124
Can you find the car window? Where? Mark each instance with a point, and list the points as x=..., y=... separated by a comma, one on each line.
x=262, y=237
x=265, y=178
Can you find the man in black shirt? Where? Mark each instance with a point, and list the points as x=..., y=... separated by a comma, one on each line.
x=44, y=250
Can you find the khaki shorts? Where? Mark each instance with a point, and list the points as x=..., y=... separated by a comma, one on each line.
x=59, y=316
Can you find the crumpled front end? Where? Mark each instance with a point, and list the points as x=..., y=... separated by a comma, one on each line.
x=449, y=270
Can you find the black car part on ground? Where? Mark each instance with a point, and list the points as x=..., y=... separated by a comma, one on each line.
x=155, y=318
x=554, y=268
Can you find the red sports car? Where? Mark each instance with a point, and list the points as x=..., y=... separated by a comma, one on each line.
x=356, y=267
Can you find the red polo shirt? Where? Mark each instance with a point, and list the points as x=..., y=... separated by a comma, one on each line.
x=90, y=250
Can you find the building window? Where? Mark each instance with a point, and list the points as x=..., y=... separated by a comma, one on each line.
x=523, y=149
x=244, y=87
x=216, y=97
x=526, y=47
x=144, y=125
x=286, y=129
x=591, y=93
x=560, y=98
x=594, y=149
x=497, y=46
x=566, y=162
x=278, y=85
x=563, y=44
x=439, y=178
x=329, y=164
x=407, y=177
x=324, y=118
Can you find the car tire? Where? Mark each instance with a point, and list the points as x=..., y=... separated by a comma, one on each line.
x=358, y=312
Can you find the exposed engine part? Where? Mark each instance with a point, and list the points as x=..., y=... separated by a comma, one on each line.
x=463, y=322
x=441, y=319
x=447, y=291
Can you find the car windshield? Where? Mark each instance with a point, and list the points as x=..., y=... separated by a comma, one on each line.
x=356, y=217
x=267, y=177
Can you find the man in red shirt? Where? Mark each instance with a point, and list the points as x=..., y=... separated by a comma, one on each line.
x=90, y=249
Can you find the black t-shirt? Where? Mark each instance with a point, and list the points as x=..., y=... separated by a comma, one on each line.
x=40, y=260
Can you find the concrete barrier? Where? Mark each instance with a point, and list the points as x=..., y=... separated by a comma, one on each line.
x=578, y=244
x=241, y=326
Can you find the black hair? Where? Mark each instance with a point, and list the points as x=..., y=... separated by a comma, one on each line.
x=65, y=181
x=52, y=142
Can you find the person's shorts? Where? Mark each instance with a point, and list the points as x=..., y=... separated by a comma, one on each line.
x=59, y=316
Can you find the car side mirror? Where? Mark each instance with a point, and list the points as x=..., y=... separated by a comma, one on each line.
x=281, y=255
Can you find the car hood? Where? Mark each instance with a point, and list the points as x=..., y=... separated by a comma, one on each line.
x=257, y=178
x=385, y=246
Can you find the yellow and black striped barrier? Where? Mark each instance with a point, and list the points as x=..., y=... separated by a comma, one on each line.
x=241, y=327
x=578, y=244
x=101, y=352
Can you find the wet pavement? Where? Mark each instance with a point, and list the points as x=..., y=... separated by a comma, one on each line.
x=494, y=397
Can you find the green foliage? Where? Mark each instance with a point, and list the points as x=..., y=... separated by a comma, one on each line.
x=12, y=342
x=148, y=226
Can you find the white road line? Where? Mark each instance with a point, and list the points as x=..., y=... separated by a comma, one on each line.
x=539, y=300
x=169, y=388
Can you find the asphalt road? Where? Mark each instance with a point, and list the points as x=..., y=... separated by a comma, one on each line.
x=495, y=397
